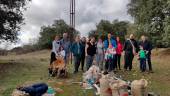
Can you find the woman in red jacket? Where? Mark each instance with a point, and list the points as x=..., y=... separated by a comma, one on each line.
x=119, y=50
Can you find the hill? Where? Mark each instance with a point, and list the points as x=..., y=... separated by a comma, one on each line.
x=32, y=67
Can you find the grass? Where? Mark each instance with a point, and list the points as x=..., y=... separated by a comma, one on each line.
x=32, y=68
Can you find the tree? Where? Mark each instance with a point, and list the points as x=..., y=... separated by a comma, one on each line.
x=150, y=17
x=47, y=33
x=116, y=28
x=11, y=18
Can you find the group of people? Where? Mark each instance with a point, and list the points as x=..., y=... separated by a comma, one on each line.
x=107, y=53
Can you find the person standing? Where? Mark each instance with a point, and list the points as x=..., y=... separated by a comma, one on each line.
x=131, y=48
x=147, y=46
x=112, y=43
x=142, y=58
x=90, y=52
x=54, y=52
x=77, y=53
x=119, y=50
x=65, y=42
x=109, y=57
x=100, y=53
x=83, y=43
x=55, y=48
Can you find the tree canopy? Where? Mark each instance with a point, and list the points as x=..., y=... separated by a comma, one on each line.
x=47, y=33
x=116, y=28
x=152, y=18
x=11, y=18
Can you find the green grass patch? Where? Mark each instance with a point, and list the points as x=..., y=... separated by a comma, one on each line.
x=29, y=70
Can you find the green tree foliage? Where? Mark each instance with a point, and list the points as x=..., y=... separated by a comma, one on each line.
x=11, y=18
x=117, y=28
x=151, y=18
x=48, y=33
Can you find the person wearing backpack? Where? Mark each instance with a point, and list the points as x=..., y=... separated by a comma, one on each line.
x=131, y=49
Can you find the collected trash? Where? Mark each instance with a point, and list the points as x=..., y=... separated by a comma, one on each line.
x=39, y=89
x=108, y=84
x=50, y=91
x=139, y=87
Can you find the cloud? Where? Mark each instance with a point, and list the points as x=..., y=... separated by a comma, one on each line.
x=88, y=14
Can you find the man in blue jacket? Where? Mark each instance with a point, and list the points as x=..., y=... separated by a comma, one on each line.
x=147, y=46
x=76, y=49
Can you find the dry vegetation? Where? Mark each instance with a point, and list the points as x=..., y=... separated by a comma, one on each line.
x=32, y=67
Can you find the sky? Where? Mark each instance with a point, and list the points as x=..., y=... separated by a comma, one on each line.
x=88, y=14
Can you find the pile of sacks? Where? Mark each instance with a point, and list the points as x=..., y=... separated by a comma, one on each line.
x=109, y=85
x=112, y=87
x=19, y=93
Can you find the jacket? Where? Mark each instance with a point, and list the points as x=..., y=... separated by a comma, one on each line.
x=119, y=48
x=147, y=46
x=128, y=46
x=83, y=48
x=74, y=49
x=106, y=43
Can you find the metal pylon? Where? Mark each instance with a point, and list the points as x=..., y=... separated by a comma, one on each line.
x=72, y=21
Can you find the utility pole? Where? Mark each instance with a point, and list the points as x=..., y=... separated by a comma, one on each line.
x=72, y=13
x=72, y=21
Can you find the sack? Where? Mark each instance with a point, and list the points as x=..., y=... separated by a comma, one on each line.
x=133, y=48
x=104, y=86
x=139, y=87
x=118, y=88
x=19, y=93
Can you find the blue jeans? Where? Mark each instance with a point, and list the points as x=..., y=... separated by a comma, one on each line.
x=89, y=61
x=142, y=64
x=100, y=60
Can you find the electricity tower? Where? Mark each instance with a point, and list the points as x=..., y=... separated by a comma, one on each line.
x=72, y=21
x=72, y=16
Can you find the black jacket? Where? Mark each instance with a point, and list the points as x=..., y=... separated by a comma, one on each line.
x=83, y=48
x=147, y=45
x=128, y=46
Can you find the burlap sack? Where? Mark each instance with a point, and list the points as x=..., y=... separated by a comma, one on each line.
x=104, y=86
x=19, y=93
x=117, y=87
x=139, y=87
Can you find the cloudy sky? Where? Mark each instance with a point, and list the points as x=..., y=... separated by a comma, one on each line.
x=88, y=14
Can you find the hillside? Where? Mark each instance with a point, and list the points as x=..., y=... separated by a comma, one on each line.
x=32, y=67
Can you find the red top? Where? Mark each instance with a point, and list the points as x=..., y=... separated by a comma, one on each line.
x=119, y=48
